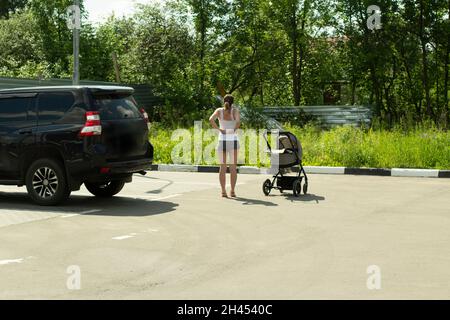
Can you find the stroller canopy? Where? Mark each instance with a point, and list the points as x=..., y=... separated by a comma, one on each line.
x=293, y=151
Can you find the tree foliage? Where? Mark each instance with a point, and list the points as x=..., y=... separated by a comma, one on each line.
x=265, y=52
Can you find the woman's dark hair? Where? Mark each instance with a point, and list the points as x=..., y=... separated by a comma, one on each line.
x=228, y=101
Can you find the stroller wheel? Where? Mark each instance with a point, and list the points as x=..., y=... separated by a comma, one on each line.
x=305, y=188
x=267, y=187
x=297, y=187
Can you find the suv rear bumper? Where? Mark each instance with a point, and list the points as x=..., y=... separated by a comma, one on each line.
x=82, y=168
x=93, y=166
x=80, y=172
x=134, y=166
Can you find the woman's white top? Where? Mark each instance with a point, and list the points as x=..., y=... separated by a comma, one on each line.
x=229, y=126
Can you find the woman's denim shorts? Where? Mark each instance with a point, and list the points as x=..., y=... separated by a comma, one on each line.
x=227, y=146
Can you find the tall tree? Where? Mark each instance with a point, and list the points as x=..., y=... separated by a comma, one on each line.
x=294, y=16
x=446, y=63
x=206, y=14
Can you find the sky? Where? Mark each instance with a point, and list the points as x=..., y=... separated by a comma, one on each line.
x=99, y=10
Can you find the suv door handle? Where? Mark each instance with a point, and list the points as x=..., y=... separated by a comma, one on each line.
x=26, y=131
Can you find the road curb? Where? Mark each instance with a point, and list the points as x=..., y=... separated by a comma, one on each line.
x=368, y=172
x=395, y=172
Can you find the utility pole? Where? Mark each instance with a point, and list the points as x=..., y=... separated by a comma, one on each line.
x=76, y=45
x=116, y=67
x=74, y=23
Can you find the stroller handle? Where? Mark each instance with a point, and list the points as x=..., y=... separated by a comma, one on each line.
x=267, y=139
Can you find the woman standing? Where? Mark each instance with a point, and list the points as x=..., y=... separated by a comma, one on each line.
x=229, y=121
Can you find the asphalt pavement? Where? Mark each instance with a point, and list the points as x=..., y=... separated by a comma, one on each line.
x=172, y=236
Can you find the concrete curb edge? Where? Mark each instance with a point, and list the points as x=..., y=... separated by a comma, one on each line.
x=394, y=172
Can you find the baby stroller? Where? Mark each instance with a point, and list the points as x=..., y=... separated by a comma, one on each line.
x=288, y=155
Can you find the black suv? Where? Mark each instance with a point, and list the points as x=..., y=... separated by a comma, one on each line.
x=54, y=139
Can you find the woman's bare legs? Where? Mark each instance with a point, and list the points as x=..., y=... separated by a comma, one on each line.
x=223, y=172
x=233, y=171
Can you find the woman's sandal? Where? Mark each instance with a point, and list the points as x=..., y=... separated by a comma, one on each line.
x=233, y=194
x=224, y=195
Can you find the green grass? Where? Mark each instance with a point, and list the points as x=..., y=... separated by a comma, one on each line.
x=352, y=147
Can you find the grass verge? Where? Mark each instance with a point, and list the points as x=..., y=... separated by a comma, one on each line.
x=347, y=146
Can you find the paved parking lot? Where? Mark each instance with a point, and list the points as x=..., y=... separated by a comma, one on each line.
x=171, y=236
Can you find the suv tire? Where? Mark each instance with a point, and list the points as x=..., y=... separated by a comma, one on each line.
x=47, y=183
x=105, y=190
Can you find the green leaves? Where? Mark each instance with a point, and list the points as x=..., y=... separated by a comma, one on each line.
x=21, y=47
x=264, y=52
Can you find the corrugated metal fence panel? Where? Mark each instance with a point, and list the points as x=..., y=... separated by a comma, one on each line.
x=7, y=83
x=328, y=115
x=145, y=97
x=144, y=93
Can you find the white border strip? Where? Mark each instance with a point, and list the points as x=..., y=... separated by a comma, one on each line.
x=177, y=168
x=325, y=170
x=250, y=170
x=396, y=172
x=426, y=173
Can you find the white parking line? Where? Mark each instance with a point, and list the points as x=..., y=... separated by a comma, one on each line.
x=70, y=215
x=132, y=235
x=166, y=197
x=125, y=237
x=79, y=214
x=5, y=262
x=13, y=261
x=90, y=211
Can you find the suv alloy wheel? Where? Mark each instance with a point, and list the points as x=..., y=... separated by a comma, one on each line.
x=46, y=182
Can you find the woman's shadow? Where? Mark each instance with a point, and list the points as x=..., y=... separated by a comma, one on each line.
x=291, y=197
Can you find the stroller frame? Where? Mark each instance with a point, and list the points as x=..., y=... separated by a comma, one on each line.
x=284, y=182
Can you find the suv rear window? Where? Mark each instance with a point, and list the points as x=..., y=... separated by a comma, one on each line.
x=13, y=109
x=53, y=106
x=116, y=107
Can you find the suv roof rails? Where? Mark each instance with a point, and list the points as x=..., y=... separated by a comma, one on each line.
x=57, y=88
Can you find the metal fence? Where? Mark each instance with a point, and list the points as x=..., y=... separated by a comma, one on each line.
x=328, y=116
x=143, y=93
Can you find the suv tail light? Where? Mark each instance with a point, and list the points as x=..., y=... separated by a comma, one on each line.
x=92, y=127
x=146, y=118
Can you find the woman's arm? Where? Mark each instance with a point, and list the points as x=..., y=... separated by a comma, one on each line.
x=237, y=116
x=213, y=119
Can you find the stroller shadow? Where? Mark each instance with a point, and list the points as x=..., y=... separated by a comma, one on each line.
x=254, y=202
x=305, y=198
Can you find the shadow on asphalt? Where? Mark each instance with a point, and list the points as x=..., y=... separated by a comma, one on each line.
x=117, y=206
x=254, y=202
x=158, y=190
x=305, y=198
